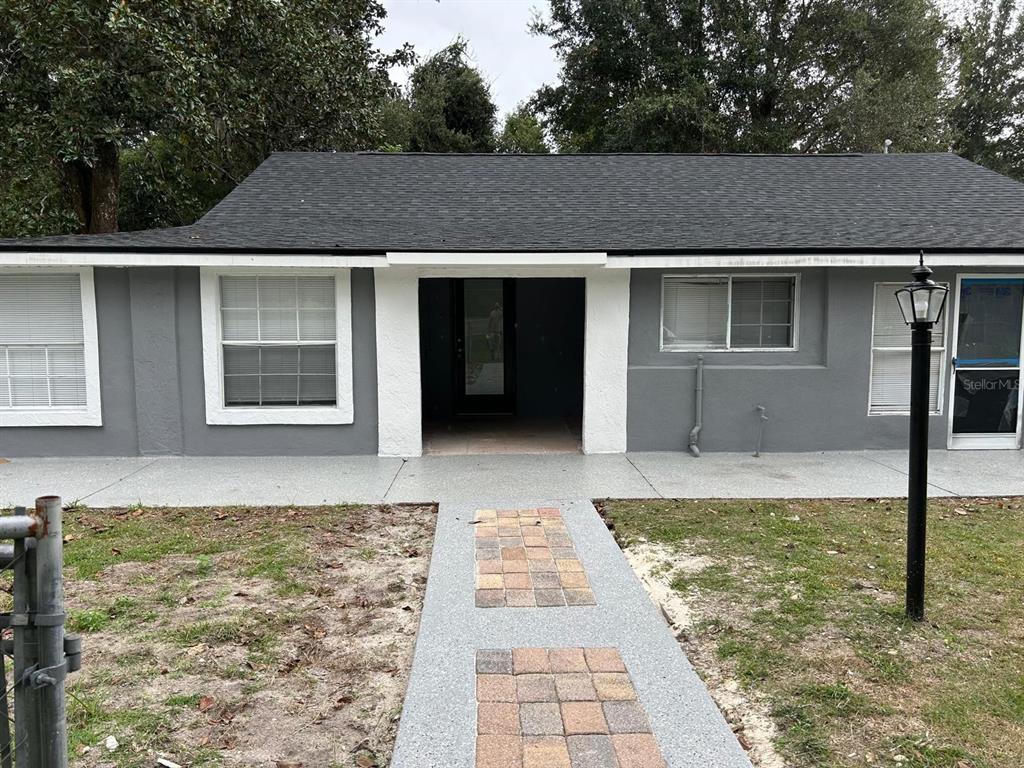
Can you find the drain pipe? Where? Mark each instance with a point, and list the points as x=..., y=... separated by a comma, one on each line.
x=698, y=407
x=762, y=413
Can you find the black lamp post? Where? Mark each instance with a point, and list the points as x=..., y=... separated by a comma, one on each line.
x=921, y=303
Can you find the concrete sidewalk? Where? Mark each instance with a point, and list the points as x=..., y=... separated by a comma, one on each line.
x=517, y=684
x=188, y=481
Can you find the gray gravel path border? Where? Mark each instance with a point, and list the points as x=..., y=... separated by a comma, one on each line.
x=438, y=721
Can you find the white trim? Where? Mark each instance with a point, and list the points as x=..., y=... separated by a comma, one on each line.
x=790, y=260
x=455, y=258
x=399, y=397
x=190, y=259
x=940, y=395
x=496, y=259
x=689, y=348
x=92, y=414
x=606, y=362
x=213, y=378
x=974, y=441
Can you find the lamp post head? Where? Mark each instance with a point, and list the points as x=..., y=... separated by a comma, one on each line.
x=922, y=300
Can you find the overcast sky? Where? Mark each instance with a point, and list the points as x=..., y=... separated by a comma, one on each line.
x=513, y=61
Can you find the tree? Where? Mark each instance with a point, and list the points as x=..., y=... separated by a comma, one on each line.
x=522, y=133
x=450, y=105
x=987, y=116
x=200, y=91
x=731, y=75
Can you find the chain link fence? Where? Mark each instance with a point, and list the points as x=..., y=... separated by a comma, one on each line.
x=35, y=653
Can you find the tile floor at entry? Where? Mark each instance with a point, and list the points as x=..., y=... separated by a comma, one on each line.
x=560, y=708
x=508, y=435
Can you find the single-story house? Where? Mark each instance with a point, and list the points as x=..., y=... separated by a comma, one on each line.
x=365, y=303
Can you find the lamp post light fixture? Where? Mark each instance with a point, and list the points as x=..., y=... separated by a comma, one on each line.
x=921, y=303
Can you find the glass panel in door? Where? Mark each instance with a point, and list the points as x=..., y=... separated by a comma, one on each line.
x=987, y=365
x=484, y=334
x=485, y=346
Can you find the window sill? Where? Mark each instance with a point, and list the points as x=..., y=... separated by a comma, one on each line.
x=50, y=418
x=284, y=415
x=728, y=349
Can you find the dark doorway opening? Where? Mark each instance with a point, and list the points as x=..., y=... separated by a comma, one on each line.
x=501, y=363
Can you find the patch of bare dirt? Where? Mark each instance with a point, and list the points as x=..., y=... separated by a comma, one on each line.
x=204, y=663
x=657, y=565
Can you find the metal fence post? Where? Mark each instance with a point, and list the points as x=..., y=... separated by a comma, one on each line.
x=48, y=679
x=25, y=721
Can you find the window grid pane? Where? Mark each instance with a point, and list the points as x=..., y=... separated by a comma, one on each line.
x=762, y=312
x=42, y=376
x=258, y=308
x=274, y=329
x=279, y=375
x=42, y=342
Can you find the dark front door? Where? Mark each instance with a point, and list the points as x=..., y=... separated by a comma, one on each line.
x=484, y=346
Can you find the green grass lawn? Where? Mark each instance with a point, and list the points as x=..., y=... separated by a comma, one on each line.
x=802, y=603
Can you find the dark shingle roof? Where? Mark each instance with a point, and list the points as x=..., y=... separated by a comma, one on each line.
x=371, y=202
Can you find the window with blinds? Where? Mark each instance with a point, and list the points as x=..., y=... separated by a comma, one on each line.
x=42, y=345
x=890, y=357
x=728, y=312
x=278, y=340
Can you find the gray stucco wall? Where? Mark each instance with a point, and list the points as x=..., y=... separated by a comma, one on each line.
x=151, y=379
x=816, y=397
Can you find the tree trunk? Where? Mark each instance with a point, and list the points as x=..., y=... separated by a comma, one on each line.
x=92, y=190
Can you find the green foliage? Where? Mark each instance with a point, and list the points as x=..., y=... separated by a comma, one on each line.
x=987, y=117
x=687, y=75
x=522, y=134
x=450, y=106
x=195, y=93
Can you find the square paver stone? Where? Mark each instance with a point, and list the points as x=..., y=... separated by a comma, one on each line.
x=575, y=686
x=637, y=750
x=495, y=688
x=613, y=686
x=497, y=718
x=530, y=660
x=549, y=597
x=545, y=752
x=499, y=751
x=583, y=717
x=541, y=719
x=520, y=598
x=626, y=717
x=604, y=660
x=489, y=598
x=495, y=662
x=567, y=660
x=591, y=752
x=532, y=688
x=579, y=597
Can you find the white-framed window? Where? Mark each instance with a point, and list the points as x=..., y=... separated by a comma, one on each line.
x=890, y=357
x=748, y=313
x=49, y=354
x=277, y=346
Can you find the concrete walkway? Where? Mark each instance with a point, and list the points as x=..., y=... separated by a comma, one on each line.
x=103, y=482
x=580, y=686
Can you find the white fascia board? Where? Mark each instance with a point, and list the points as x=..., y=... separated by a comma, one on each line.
x=496, y=259
x=765, y=260
x=191, y=259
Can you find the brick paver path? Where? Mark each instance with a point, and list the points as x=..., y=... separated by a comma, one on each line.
x=539, y=648
x=525, y=558
x=560, y=708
